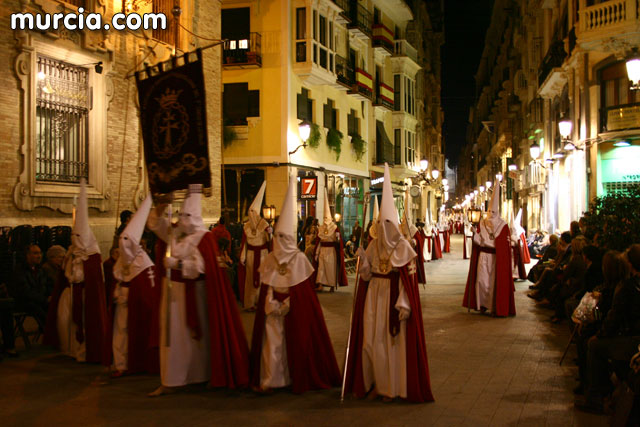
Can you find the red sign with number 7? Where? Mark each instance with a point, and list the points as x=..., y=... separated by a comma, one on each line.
x=309, y=188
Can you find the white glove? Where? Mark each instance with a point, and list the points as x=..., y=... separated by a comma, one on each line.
x=171, y=262
x=404, y=314
x=269, y=229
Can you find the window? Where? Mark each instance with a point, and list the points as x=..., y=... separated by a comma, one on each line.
x=238, y=103
x=397, y=100
x=330, y=115
x=410, y=151
x=167, y=35
x=353, y=123
x=376, y=16
x=62, y=118
x=305, y=106
x=301, y=34
x=322, y=25
x=397, y=143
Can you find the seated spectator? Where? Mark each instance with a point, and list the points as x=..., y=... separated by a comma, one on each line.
x=553, y=273
x=614, y=270
x=593, y=277
x=575, y=230
x=6, y=323
x=32, y=287
x=53, y=264
x=618, y=338
x=572, y=279
x=350, y=247
x=549, y=253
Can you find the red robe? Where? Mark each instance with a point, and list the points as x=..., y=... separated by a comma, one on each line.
x=436, y=250
x=418, y=380
x=422, y=277
x=229, y=348
x=518, y=258
x=91, y=317
x=504, y=291
x=525, y=250
x=310, y=357
x=447, y=240
x=143, y=353
x=339, y=247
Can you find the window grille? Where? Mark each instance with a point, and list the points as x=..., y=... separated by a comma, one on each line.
x=167, y=35
x=62, y=118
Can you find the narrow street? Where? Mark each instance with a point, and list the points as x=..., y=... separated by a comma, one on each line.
x=484, y=371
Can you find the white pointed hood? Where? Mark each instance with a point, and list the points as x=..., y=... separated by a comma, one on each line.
x=82, y=238
x=518, y=223
x=286, y=266
x=328, y=226
x=256, y=206
x=390, y=239
x=190, y=220
x=407, y=226
x=133, y=259
x=373, y=231
x=493, y=213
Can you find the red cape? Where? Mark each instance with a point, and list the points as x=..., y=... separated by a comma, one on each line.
x=418, y=380
x=242, y=269
x=342, y=273
x=229, y=348
x=504, y=291
x=436, y=249
x=143, y=352
x=525, y=250
x=312, y=362
x=422, y=277
x=518, y=261
x=96, y=319
x=447, y=240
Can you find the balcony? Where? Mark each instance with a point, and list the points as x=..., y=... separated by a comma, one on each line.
x=551, y=77
x=599, y=22
x=315, y=63
x=363, y=87
x=344, y=16
x=405, y=57
x=382, y=40
x=620, y=117
x=244, y=53
x=346, y=76
x=385, y=151
x=384, y=96
x=360, y=25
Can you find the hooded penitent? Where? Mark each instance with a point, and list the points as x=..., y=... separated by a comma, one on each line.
x=517, y=223
x=408, y=227
x=493, y=213
x=256, y=207
x=133, y=259
x=286, y=266
x=83, y=241
x=390, y=239
x=191, y=213
x=328, y=226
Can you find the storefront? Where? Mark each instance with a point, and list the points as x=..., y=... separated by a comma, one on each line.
x=618, y=165
x=346, y=197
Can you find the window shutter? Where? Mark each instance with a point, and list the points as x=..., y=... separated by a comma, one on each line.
x=327, y=115
x=236, y=102
x=254, y=103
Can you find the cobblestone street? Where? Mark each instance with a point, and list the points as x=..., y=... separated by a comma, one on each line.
x=484, y=371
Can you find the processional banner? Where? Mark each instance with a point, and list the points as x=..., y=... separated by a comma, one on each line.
x=173, y=119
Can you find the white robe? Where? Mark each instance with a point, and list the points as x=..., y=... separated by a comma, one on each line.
x=327, y=264
x=486, y=273
x=426, y=250
x=183, y=360
x=69, y=345
x=384, y=357
x=468, y=239
x=120, y=344
x=274, y=366
x=246, y=257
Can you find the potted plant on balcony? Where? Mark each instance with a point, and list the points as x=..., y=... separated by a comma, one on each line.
x=334, y=141
x=228, y=134
x=314, y=136
x=359, y=146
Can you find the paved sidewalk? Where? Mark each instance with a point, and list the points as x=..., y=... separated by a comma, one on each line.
x=484, y=371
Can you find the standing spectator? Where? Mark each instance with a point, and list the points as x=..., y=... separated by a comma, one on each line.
x=302, y=242
x=125, y=217
x=32, y=287
x=53, y=264
x=357, y=231
x=220, y=230
x=350, y=247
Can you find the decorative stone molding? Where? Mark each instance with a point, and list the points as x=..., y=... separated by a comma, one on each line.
x=28, y=193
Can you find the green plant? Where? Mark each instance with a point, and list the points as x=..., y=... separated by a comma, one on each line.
x=228, y=136
x=359, y=146
x=613, y=221
x=334, y=141
x=314, y=136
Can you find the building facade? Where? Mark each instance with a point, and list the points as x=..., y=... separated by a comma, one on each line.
x=350, y=70
x=70, y=110
x=562, y=112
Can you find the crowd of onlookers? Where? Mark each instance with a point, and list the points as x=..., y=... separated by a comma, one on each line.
x=598, y=292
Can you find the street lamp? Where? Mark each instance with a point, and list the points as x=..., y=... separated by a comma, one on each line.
x=499, y=176
x=304, y=130
x=445, y=181
x=435, y=173
x=534, y=151
x=488, y=184
x=475, y=193
x=565, y=126
x=481, y=188
x=633, y=72
x=337, y=217
x=513, y=167
x=424, y=164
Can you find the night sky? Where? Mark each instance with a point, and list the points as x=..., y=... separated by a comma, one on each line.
x=466, y=23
